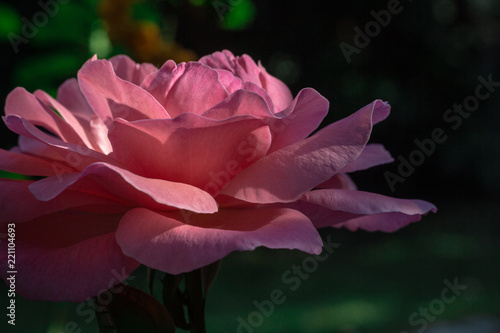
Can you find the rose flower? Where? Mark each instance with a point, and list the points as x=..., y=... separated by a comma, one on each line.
x=175, y=168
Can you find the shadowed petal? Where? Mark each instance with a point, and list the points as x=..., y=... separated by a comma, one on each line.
x=359, y=203
x=25, y=164
x=15, y=210
x=372, y=155
x=339, y=181
x=66, y=272
x=27, y=106
x=70, y=96
x=165, y=242
x=110, y=181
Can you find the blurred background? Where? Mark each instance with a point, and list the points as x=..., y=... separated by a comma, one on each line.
x=424, y=58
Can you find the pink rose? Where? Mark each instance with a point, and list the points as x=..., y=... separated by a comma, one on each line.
x=176, y=167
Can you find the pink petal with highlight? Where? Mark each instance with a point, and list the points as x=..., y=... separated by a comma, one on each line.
x=112, y=97
x=128, y=70
x=314, y=160
x=299, y=119
x=190, y=149
x=76, y=156
x=188, y=88
x=245, y=68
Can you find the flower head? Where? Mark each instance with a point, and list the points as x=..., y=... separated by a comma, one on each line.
x=176, y=167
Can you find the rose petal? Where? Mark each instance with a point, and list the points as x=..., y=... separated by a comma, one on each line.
x=365, y=203
x=15, y=196
x=372, y=155
x=300, y=119
x=24, y=164
x=230, y=82
x=386, y=222
x=81, y=126
x=144, y=234
x=245, y=68
x=31, y=146
x=339, y=181
x=262, y=93
x=221, y=60
x=279, y=91
x=23, y=104
x=73, y=272
x=190, y=149
x=383, y=111
x=187, y=88
x=76, y=156
x=275, y=178
x=111, y=97
x=128, y=70
x=241, y=102
x=70, y=96
x=110, y=181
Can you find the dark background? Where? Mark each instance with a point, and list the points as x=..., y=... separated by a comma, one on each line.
x=427, y=59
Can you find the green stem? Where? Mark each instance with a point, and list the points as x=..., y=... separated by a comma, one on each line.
x=196, y=300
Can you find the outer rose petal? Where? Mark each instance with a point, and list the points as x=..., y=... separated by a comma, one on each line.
x=75, y=155
x=25, y=105
x=372, y=155
x=299, y=119
x=24, y=164
x=164, y=242
x=107, y=180
x=347, y=204
x=387, y=222
x=286, y=174
x=32, y=146
x=15, y=196
x=91, y=129
x=69, y=273
x=339, y=181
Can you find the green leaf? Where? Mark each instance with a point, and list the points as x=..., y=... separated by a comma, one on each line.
x=9, y=21
x=11, y=175
x=239, y=16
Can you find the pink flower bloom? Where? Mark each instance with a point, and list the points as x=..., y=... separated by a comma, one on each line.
x=176, y=167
